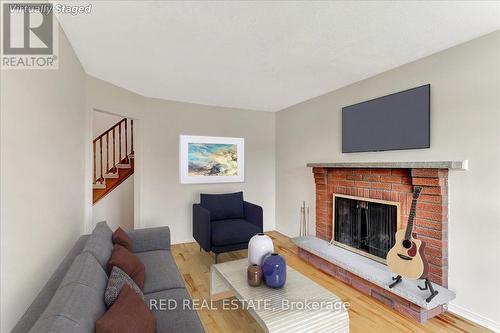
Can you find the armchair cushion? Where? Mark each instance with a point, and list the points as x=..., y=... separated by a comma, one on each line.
x=223, y=206
x=232, y=231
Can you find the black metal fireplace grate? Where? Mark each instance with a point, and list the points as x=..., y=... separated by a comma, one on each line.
x=365, y=226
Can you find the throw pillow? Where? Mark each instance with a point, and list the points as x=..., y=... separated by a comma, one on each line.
x=129, y=314
x=129, y=263
x=120, y=237
x=116, y=281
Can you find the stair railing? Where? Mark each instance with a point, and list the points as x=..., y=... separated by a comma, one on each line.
x=102, y=162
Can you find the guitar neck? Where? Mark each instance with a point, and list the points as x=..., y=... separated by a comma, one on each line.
x=411, y=217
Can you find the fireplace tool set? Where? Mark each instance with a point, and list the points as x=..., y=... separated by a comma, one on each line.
x=304, y=220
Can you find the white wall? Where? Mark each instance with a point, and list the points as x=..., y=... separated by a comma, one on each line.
x=43, y=125
x=465, y=124
x=159, y=197
x=102, y=121
x=117, y=207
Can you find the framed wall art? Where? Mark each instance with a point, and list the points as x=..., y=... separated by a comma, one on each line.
x=208, y=159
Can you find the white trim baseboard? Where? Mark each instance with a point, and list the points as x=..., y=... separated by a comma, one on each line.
x=478, y=319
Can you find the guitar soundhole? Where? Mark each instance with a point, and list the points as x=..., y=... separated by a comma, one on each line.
x=406, y=244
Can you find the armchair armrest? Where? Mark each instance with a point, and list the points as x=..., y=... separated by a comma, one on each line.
x=253, y=214
x=150, y=239
x=201, y=226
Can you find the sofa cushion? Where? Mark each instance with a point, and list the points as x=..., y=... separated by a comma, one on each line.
x=176, y=319
x=161, y=271
x=223, y=206
x=100, y=244
x=117, y=279
x=129, y=263
x=232, y=231
x=87, y=271
x=102, y=229
x=150, y=239
x=43, y=298
x=120, y=237
x=128, y=314
x=79, y=299
x=58, y=324
x=100, y=247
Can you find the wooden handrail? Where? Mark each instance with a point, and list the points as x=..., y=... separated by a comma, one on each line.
x=110, y=129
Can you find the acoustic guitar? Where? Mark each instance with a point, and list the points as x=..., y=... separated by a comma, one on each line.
x=406, y=258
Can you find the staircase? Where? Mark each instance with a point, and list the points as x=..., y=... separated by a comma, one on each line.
x=113, y=160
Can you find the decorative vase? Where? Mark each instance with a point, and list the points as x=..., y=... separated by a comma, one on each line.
x=258, y=246
x=274, y=270
x=254, y=275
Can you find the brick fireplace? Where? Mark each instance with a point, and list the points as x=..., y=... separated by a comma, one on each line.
x=394, y=184
x=431, y=223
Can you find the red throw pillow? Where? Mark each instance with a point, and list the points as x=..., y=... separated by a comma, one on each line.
x=128, y=314
x=120, y=237
x=129, y=263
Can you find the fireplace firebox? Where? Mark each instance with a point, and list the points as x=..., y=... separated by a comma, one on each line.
x=365, y=226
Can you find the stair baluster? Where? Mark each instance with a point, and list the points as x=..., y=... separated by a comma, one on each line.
x=93, y=144
x=107, y=152
x=119, y=142
x=126, y=143
x=132, y=136
x=114, y=151
x=101, y=179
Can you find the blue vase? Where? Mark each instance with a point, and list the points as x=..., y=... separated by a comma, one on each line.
x=274, y=270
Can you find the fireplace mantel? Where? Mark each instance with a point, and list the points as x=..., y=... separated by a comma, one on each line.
x=452, y=165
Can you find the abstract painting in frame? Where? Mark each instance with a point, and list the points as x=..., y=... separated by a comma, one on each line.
x=208, y=159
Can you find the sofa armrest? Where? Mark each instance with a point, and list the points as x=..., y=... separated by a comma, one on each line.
x=201, y=227
x=150, y=239
x=253, y=214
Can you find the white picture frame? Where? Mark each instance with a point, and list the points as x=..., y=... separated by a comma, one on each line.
x=203, y=169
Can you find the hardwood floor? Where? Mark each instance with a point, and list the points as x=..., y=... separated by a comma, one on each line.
x=365, y=313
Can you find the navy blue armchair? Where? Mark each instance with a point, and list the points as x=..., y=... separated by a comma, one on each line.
x=225, y=222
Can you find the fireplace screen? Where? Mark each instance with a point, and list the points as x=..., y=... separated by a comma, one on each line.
x=367, y=227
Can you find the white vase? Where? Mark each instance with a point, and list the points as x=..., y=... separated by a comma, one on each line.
x=258, y=247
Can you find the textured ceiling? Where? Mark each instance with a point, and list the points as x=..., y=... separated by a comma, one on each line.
x=263, y=55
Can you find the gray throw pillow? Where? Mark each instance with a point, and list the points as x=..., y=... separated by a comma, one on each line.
x=117, y=279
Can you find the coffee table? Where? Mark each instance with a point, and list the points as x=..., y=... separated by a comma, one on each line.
x=300, y=306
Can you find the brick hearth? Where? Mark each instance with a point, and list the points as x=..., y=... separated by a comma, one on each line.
x=391, y=184
x=393, y=301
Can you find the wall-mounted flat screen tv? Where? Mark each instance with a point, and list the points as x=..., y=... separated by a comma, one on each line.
x=393, y=122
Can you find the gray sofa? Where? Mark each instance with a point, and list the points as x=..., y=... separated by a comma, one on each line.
x=73, y=298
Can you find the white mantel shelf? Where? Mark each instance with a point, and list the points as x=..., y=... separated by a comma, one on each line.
x=452, y=165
